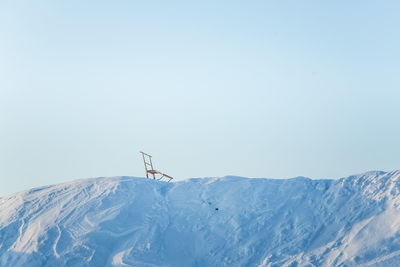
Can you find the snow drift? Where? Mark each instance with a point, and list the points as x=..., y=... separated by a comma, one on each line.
x=229, y=221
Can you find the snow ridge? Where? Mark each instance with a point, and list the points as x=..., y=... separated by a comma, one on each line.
x=228, y=221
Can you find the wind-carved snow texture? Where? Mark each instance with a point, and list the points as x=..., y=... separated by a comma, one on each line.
x=229, y=221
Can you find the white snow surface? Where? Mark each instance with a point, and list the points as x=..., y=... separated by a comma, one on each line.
x=228, y=221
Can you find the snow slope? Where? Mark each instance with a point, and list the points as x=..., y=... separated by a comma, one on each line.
x=229, y=221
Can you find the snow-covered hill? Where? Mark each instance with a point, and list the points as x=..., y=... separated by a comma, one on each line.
x=229, y=221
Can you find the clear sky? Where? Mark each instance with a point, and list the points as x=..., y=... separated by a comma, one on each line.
x=210, y=88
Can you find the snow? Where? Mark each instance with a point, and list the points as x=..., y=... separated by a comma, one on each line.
x=227, y=221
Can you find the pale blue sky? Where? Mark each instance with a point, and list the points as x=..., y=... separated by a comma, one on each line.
x=210, y=88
